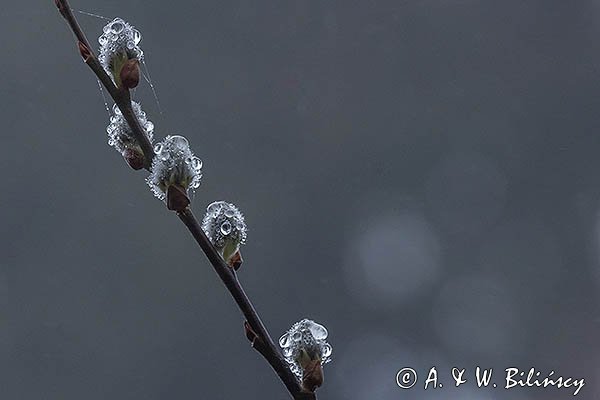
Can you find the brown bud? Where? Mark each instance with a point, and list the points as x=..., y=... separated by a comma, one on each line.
x=177, y=199
x=250, y=334
x=84, y=51
x=254, y=339
x=236, y=260
x=134, y=158
x=312, y=376
x=130, y=74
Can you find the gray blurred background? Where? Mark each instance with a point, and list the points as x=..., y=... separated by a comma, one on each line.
x=420, y=176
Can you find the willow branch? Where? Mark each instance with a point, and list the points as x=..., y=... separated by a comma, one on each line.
x=262, y=341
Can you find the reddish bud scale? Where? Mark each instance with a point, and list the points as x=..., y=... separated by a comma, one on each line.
x=313, y=375
x=130, y=74
x=250, y=334
x=85, y=52
x=134, y=159
x=236, y=260
x=177, y=199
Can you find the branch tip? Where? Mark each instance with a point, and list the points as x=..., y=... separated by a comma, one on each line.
x=59, y=4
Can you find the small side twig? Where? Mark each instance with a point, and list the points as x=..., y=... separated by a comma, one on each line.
x=255, y=329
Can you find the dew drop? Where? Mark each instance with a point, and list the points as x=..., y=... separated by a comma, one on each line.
x=229, y=213
x=149, y=126
x=284, y=340
x=296, y=336
x=318, y=331
x=117, y=27
x=179, y=141
x=158, y=148
x=137, y=36
x=102, y=40
x=226, y=228
x=196, y=163
x=288, y=351
x=325, y=350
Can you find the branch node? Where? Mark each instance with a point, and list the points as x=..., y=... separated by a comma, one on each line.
x=250, y=334
x=255, y=340
x=85, y=51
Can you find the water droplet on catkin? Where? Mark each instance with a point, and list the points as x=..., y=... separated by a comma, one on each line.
x=226, y=228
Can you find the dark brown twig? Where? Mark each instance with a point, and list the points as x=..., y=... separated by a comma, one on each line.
x=255, y=329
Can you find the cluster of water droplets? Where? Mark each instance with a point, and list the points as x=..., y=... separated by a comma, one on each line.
x=223, y=222
x=119, y=38
x=174, y=164
x=305, y=335
x=120, y=135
